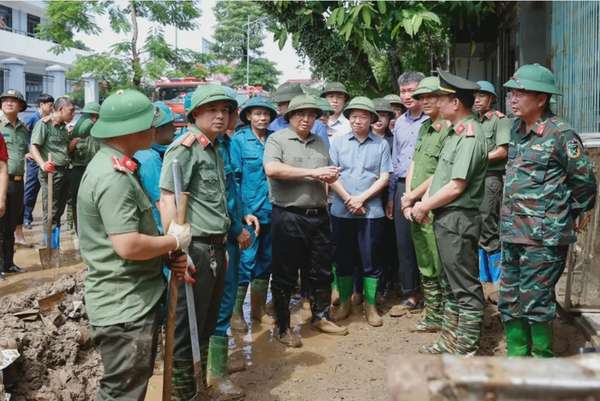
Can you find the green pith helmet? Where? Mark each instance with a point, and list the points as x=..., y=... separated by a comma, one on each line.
x=335, y=87
x=166, y=115
x=393, y=99
x=382, y=105
x=324, y=105
x=302, y=102
x=362, y=103
x=427, y=86
x=15, y=94
x=91, y=108
x=534, y=77
x=257, y=101
x=287, y=92
x=487, y=87
x=125, y=112
x=205, y=94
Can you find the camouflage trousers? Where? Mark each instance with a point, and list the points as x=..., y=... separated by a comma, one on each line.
x=529, y=274
x=489, y=239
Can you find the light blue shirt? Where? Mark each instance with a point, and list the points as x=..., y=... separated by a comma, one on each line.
x=362, y=163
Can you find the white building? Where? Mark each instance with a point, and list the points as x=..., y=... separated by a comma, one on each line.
x=26, y=63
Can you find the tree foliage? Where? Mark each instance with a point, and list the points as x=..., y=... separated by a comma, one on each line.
x=366, y=44
x=67, y=18
x=262, y=72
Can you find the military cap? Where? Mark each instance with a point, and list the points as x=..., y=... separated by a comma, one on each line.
x=287, y=92
x=450, y=83
x=393, y=99
x=125, y=112
x=361, y=103
x=302, y=102
x=487, y=87
x=211, y=93
x=382, y=105
x=166, y=115
x=335, y=87
x=324, y=105
x=534, y=77
x=427, y=86
x=91, y=108
x=15, y=94
x=254, y=102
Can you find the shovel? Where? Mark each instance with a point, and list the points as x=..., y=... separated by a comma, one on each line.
x=49, y=256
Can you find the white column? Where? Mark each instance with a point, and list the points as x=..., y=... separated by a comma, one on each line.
x=14, y=76
x=91, y=91
x=56, y=85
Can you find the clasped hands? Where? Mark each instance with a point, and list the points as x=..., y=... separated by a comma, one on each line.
x=414, y=211
x=327, y=174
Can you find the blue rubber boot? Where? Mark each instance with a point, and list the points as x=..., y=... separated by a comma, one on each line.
x=55, y=240
x=484, y=271
x=495, y=266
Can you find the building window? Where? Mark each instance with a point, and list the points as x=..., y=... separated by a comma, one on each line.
x=34, y=87
x=6, y=18
x=32, y=22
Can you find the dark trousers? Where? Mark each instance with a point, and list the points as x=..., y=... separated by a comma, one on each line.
x=490, y=212
x=32, y=188
x=75, y=181
x=302, y=243
x=359, y=244
x=407, y=260
x=60, y=193
x=10, y=220
x=208, y=292
x=128, y=351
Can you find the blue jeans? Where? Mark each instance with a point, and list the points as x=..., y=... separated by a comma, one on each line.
x=32, y=187
x=229, y=290
x=255, y=261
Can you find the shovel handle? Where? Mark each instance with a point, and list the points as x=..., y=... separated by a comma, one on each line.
x=182, y=208
x=50, y=199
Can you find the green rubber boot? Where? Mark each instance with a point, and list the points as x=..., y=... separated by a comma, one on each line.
x=343, y=310
x=221, y=387
x=237, y=317
x=517, y=337
x=370, y=290
x=541, y=340
x=258, y=300
x=432, y=294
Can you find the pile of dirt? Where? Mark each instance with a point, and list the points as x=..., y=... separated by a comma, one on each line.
x=58, y=362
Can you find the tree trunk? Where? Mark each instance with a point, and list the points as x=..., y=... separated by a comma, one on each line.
x=135, y=56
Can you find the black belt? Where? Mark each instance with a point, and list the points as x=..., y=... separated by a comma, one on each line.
x=495, y=173
x=401, y=179
x=15, y=178
x=210, y=239
x=307, y=211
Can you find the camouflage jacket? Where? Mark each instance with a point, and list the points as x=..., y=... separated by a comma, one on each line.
x=549, y=182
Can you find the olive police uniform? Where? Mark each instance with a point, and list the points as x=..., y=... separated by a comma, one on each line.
x=16, y=138
x=121, y=296
x=549, y=183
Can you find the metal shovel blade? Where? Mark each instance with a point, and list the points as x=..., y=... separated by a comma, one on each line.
x=49, y=257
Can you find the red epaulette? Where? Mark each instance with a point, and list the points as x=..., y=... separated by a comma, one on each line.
x=539, y=130
x=124, y=164
x=191, y=138
x=489, y=114
x=500, y=114
x=470, y=131
x=459, y=128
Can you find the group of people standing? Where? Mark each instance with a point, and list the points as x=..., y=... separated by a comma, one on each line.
x=334, y=198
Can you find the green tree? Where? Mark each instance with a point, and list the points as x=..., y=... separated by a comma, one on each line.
x=67, y=18
x=234, y=37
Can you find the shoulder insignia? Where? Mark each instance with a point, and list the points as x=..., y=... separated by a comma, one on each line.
x=574, y=149
x=500, y=114
x=188, y=140
x=561, y=125
x=203, y=140
x=489, y=114
x=124, y=164
x=459, y=128
x=539, y=130
x=470, y=131
x=437, y=126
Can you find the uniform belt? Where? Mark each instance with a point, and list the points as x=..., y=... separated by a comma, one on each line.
x=401, y=179
x=307, y=211
x=15, y=178
x=210, y=239
x=495, y=173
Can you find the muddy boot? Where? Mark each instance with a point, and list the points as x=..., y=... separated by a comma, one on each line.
x=221, y=387
x=517, y=337
x=432, y=293
x=343, y=310
x=289, y=338
x=446, y=343
x=258, y=298
x=541, y=340
x=370, y=288
x=283, y=332
x=335, y=294
x=357, y=298
x=184, y=386
x=468, y=332
x=237, y=317
x=319, y=302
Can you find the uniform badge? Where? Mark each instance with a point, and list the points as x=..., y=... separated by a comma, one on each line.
x=499, y=114
x=459, y=128
x=489, y=114
x=537, y=147
x=437, y=126
x=470, y=131
x=124, y=164
x=573, y=149
x=203, y=140
x=540, y=129
x=188, y=140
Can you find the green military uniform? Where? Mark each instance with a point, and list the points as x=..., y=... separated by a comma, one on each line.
x=122, y=297
x=16, y=137
x=549, y=183
x=457, y=227
x=84, y=151
x=53, y=139
x=203, y=177
x=432, y=135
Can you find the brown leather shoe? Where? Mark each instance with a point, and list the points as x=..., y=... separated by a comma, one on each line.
x=372, y=315
x=342, y=311
x=289, y=338
x=328, y=327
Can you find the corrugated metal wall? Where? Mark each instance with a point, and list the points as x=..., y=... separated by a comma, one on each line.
x=575, y=45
